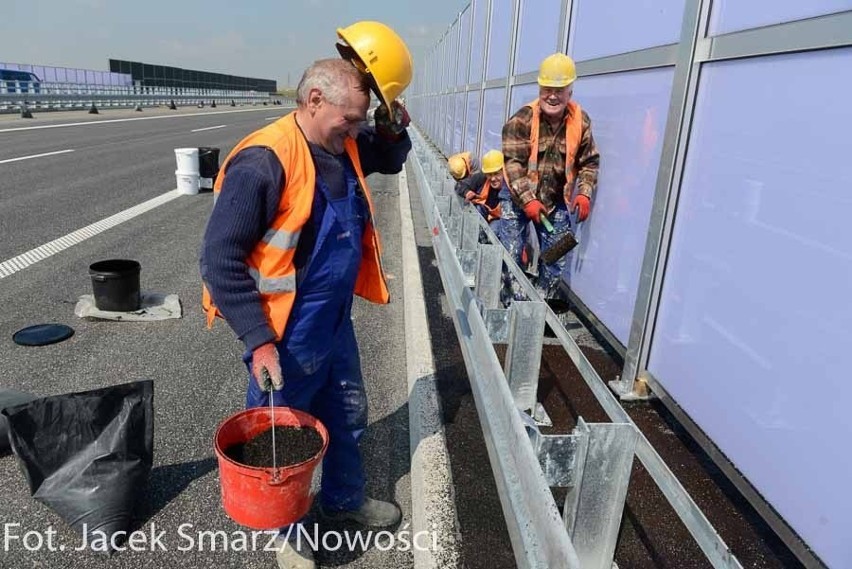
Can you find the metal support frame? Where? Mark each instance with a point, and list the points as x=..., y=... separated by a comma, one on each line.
x=602, y=491
x=593, y=462
x=535, y=527
x=705, y=535
x=523, y=354
x=489, y=275
x=694, y=48
x=678, y=123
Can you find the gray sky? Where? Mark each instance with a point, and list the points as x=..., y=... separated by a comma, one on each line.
x=267, y=39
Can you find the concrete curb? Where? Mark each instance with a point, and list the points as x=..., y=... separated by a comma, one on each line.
x=433, y=507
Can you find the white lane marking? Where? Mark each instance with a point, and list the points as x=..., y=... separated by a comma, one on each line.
x=273, y=118
x=42, y=252
x=36, y=156
x=209, y=128
x=109, y=121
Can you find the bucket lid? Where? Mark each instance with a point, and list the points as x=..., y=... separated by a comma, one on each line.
x=42, y=334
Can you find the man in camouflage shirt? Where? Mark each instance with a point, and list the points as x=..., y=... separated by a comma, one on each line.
x=556, y=180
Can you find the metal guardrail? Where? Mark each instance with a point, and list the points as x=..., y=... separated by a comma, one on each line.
x=593, y=462
x=599, y=464
x=15, y=95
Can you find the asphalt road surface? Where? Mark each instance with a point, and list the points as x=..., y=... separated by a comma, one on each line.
x=94, y=170
x=61, y=172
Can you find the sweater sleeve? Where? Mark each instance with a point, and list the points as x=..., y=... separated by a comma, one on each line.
x=247, y=205
x=379, y=155
x=472, y=183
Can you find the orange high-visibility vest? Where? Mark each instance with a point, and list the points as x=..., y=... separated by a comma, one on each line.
x=482, y=198
x=573, y=135
x=271, y=262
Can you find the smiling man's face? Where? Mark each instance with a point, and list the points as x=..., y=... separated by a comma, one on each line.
x=553, y=100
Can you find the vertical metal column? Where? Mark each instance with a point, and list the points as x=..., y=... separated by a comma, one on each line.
x=598, y=500
x=523, y=354
x=489, y=275
x=678, y=123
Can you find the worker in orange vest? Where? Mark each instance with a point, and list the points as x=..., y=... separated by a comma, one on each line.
x=552, y=165
x=291, y=238
x=485, y=188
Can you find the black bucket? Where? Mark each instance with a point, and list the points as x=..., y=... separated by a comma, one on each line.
x=208, y=161
x=116, y=285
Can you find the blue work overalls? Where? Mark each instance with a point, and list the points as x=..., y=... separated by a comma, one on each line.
x=319, y=354
x=513, y=234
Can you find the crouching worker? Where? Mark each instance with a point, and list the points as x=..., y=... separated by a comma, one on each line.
x=292, y=237
x=552, y=164
x=461, y=167
x=486, y=188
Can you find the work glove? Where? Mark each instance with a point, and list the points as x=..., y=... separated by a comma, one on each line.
x=534, y=210
x=582, y=204
x=391, y=127
x=469, y=196
x=266, y=368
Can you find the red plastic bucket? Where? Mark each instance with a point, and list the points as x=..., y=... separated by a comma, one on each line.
x=267, y=498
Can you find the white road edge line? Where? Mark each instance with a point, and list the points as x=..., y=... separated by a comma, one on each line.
x=209, y=128
x=111, y=121
x=36, y=156
x=42, y=252
x=433, y=505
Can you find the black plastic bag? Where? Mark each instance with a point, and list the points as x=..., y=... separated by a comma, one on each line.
x=88, y=455
x=10, y=398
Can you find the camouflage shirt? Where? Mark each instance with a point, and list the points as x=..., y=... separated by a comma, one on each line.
x=551, y=159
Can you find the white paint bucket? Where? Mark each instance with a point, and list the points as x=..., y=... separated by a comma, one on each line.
x=187, y=160
x=187, y=184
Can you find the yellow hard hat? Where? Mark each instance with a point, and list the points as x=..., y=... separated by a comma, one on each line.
x=378, y=51
x=557, y=70
x=492, y=162
x=459, y=164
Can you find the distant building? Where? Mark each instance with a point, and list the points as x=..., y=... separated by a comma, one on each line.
x=149, y=75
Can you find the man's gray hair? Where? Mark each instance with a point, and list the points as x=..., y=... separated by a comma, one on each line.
x=331, y=77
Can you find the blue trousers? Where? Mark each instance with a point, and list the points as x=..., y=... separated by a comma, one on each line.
x=335, y=395
x=319, y=354
x=514, y=227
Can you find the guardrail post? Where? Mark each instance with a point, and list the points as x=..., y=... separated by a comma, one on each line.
x=594, y=506
x=448, y=187
x=470, y=229
x=523, y=354
x=454, y=221
x=466, y=241
x=561, y=457
x=489, y=274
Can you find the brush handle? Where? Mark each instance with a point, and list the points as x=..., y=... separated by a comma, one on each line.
x=545, y=222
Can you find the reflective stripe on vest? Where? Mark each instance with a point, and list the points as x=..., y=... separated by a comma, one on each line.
x=282, y=239
x=271, y=263
x=267, y=285
x=573, y=135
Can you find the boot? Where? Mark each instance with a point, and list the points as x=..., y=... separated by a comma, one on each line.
x=372, y=513
x=294, y=554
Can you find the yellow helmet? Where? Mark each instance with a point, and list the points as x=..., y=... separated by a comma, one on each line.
x=557, y=70
x=378, y=51
x=492, y=162
x=459, y=165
